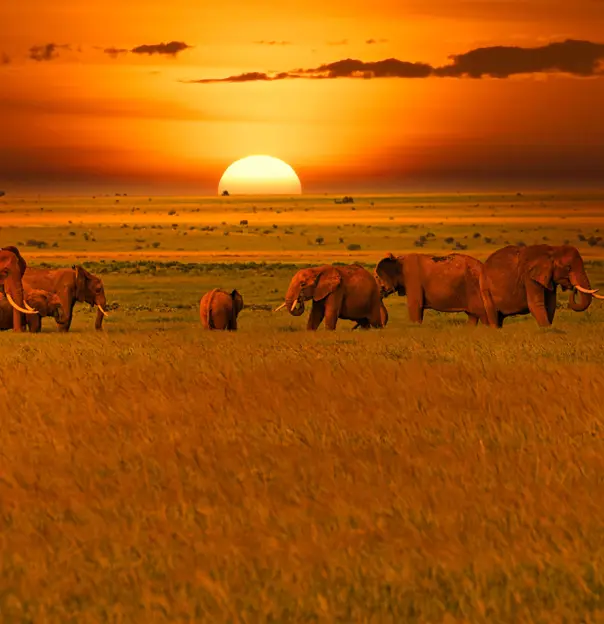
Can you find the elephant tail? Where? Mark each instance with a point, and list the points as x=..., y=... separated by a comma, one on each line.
x=209, y=320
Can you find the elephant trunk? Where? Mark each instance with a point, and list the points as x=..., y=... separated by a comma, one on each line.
x=580, y=283
x=13, y=289
x=293, y=301
x=101, y=303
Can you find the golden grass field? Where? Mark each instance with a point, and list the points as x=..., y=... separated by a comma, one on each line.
x=437, y=473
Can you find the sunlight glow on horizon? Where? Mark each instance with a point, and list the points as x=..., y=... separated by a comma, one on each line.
x=260, y=175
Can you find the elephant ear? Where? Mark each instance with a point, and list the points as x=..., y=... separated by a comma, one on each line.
x=81, y=276
x=541, y=272
x=237, y=301
x=327, y=282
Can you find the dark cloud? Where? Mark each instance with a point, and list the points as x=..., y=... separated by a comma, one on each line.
x=375, y=41
x=247, y=77
x=46, y=52
x=5, y=59
x=353, y=68
x=168, y=49
x=578, y=58
x=341, y=42
x=115, y=52
x=348, y=68
x=273, y=43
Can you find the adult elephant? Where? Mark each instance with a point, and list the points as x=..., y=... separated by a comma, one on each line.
x=525, y=280
x=345, y=292
x=43, y=302
x=451, y=283
x=12, y=268
x=71, y=285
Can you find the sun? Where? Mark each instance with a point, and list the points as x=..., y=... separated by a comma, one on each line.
x=260, y=175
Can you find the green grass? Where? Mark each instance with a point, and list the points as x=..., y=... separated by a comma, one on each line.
x=155, y=472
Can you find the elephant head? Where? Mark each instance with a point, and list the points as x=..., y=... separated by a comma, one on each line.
x=12, y=268
x=389, y=275
x=237, y=302
x=46, y=303
x=90, y=289
x=564, y=267
x=315, y=283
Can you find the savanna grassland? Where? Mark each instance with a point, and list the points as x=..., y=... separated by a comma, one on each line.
x=153, y=472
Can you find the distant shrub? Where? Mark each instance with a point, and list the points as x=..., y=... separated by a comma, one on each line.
x=155, y=245
x=460, y=246
x=340, y=240
x=243, y=222
x=171, y=213
x=521, y=244
x=592, y=241
x=32, y=242
x=354, y=247
x=319, y=240
x=581, y=237
x=476, y=235
x=72, y=233
x=449, y=240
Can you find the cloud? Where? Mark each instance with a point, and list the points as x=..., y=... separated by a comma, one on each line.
x=168, y=49
x=46, y=52
x=341, y=42
x=348, y=68
x=578, y=58
x=115, y=52
x=273, y=43
x=375, y=41
x=5, y=59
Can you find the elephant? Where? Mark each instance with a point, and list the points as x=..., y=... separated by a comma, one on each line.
x=219, y=309
x=12, y=268
x=43, y=302
x=451, y=283
x=524, y=280
x=345, y=292
x=71, y=285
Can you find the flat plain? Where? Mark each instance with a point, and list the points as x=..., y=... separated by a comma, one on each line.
x=438, y=473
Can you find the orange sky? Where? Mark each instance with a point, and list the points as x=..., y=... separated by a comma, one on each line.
x=74, y=118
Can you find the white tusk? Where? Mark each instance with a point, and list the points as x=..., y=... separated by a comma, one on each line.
x=103, y=311
x=585, y=290
x=12, y=302
x=280, y=307
x=294, y=306
x=26, y=305
x=598, y=296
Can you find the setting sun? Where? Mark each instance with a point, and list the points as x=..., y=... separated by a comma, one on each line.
x=260, y=175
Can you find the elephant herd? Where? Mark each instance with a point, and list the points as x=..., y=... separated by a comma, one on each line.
x=27, y=294
x=514, y=280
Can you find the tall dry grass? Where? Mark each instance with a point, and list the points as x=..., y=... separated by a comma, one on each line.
x=405, y=475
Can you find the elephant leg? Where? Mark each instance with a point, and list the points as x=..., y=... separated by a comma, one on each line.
x=550, y=305
x=316, y=315
x=67, y=304
x=362, y=324
x=232, y=324
x=472, y=319
x=34, y=323
x=416, y=312
x=535, y=294
x=332, y=312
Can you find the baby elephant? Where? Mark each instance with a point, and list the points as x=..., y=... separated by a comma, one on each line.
x=218, y=309
x=44, y=302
